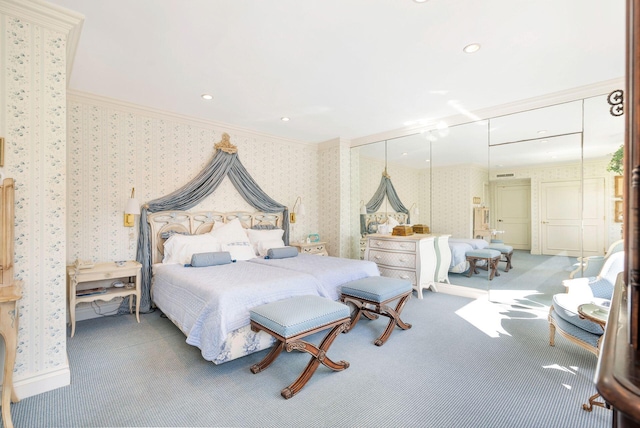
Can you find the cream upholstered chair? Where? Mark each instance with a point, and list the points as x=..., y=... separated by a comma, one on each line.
x=563, y=314
x=588, y=267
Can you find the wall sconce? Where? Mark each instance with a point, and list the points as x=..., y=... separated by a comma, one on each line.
x=477, y=200
x=131, y=210
x=363, y=208
x=413, y=209
x=299, y=211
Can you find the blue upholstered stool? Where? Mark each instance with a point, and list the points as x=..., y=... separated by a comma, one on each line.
x=290, y=320
x=371, y=295
x=491, y=257
x=506, y=251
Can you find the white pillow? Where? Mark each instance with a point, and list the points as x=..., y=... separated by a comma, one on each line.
x=239, y=250
x=230, y=232
x=266, y=245
x=179, y=248
x=392, y=222
x=260, y=235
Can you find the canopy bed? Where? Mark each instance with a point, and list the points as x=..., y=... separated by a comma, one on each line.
x=210, y=304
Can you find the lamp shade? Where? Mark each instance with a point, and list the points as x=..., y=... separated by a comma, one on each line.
x=133, y=207
x=301, y=209
x=363, y=209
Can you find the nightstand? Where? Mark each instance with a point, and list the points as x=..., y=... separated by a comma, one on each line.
x=103, y=272
x=317, y=248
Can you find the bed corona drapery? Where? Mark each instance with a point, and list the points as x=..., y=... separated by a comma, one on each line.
x=384, y=189
x=225, y=163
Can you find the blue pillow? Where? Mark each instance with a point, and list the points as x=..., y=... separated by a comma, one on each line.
x=210, y=259
x=281, y=253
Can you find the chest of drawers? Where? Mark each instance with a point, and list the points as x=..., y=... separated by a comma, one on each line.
x=406, y=257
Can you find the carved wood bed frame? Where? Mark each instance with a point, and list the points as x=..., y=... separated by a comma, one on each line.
x=195, y=223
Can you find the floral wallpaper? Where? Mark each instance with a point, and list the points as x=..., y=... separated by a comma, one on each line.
x=114, y=147
x=33, y=58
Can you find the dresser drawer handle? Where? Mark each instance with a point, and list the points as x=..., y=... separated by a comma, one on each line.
x=402, y=260
x=377, y=257
x=404, y=245
x=378, y=244
x=404, y=276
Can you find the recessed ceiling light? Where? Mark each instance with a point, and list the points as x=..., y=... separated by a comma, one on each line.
x=427, y=160
x=284, y=119
x=404, y=154
x=473, y=47
x=542, y=131
x=420, y=1
x=207, y=97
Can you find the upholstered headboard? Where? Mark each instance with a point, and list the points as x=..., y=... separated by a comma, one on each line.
x=193, y=223
x=371, y=221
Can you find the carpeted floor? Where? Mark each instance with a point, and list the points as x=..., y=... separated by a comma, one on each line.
x=465, y=363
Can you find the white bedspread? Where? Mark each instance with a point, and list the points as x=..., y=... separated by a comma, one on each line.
x=332, y=272
x=207, y=303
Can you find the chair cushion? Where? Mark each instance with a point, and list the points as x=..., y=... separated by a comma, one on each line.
x=566, y=307
x=580, y=334
x=601, y=288
x=497, y=241
x=485, y=253
x=295, y=315
x=504, y=249
x=377, y=288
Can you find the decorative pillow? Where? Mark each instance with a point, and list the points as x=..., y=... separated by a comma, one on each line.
x=264, y=246
x=230, y=232
x=282, y=253
x=179, y=248
x=169, y=233
x=258, y=236
x=392, y=222
x=264, y=227
x=210, y=259
x=239, y=250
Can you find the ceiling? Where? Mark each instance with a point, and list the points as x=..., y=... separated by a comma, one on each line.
x=341, y=68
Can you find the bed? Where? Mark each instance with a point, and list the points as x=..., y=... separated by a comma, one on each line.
x=331, y=272
x=210, y=305
x=459, y=248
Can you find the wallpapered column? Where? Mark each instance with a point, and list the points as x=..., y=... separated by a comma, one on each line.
x=334, y=188
x=33, y=54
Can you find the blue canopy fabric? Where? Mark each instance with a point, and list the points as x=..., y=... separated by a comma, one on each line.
x=225, y=162
x=384, y=189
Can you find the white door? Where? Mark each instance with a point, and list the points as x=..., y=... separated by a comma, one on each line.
x=561, y=217
x=513, y=214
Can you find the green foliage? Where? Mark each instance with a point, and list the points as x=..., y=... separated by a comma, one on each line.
x=615, y=164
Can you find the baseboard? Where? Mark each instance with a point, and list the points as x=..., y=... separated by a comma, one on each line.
x=42, y=382
x=458, y=290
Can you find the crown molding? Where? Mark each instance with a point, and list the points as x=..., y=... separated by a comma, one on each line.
x=49, y=16
x=560, y=97
x=127, y=107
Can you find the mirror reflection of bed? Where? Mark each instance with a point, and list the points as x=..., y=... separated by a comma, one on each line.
x=542, y=174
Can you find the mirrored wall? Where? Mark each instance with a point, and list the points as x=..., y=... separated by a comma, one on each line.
x=540, y=174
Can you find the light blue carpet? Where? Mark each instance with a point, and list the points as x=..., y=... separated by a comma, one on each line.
x=464, y=363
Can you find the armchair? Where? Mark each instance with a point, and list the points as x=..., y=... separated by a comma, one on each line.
x=565, y=319
x=588, y=267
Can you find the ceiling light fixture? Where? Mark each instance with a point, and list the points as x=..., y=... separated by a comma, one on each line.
x=405, y=153
x=473, y=47
x=542, y=131
x=420, y=1
x=284, y=119
x=207, y=97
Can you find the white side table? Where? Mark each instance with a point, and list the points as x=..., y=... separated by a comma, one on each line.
x=317, y=248
x=100, y=272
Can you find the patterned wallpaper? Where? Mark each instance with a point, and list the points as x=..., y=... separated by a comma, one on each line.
x=33, y=59
x=114, y=147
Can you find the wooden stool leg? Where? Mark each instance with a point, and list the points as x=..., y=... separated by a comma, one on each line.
x=270, y=357
x=472, y=266
x=394, y=320
x=509, y=265
x=318, y=355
